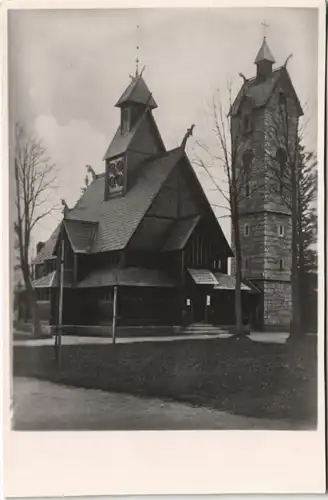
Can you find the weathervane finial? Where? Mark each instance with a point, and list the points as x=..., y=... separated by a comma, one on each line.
x=137, y=59
x=265, y=26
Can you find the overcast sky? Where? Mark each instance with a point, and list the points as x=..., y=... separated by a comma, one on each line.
x=67, y=68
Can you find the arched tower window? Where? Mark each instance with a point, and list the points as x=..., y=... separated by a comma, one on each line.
x=248, y=157
x=247, y=116
x=282, y=98
x=281, y=158
x=125, y=120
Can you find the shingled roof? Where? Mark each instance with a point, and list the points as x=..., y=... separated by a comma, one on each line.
x=51, y=280
x=180, y=233
x=47, y=252
x=130, y=276
x=260, y=91
x=121, y=142
x=119, y=217
x=137, y=92
x=264, y=53
x=81, y=234
x=228, y=282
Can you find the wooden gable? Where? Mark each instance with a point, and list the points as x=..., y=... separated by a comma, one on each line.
x=181, y=197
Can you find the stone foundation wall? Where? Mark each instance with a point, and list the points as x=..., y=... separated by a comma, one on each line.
x=277, y=303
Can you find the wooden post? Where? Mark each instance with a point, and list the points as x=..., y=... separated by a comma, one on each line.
x=60, y=307
x=182, y=288
x=207, y=304
x=114, y=314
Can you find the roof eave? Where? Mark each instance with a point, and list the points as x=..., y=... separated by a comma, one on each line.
x=120, y=104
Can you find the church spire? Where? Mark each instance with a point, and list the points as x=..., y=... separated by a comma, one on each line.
x=264, y=61
x=264, y=53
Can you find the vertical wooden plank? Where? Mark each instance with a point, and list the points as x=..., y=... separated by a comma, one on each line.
x=201, y=244
x=60, y=305
x=75, y=269
x=197, y=250
x=205, y=255
x=193, y=247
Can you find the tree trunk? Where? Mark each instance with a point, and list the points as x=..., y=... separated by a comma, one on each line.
x=238, y=305
x=31, y=297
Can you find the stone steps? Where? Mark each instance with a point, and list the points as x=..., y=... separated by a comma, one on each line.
x=201, y=329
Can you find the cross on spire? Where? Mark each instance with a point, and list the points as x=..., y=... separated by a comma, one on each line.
x=265, y=26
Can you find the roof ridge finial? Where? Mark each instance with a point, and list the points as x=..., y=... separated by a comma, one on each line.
x=137, y=65
x=66, y=209
x=186, y=136
x=137, y=59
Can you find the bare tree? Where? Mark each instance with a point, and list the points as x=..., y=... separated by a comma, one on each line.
x=234, y=160
x=35, y=177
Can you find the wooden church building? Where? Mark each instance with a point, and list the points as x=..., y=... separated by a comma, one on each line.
x=142, y=239
x=143, y=243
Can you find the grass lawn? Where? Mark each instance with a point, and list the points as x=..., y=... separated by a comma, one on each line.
x=243, y=377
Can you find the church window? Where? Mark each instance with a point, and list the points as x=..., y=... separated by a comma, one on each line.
x=247, y=123
x=106, y=294
x=217, y=265
x=125, y=121
x=43, y=294
x=247, y=160
x=281, y=265
x=282, y=98
x=246, y=230
x=281, y=158
x=247, y=116
x=115, y=173
x=281, y=230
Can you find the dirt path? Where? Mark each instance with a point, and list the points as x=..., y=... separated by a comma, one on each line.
x=40, y=405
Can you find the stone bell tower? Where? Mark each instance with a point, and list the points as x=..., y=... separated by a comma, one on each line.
x=263, y=144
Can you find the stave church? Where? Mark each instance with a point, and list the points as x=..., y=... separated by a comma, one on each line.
x=143, y=247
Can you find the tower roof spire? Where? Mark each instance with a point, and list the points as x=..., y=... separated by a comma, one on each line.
x=264, y=53
x=137, y=92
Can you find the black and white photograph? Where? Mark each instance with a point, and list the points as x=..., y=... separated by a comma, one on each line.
x=163, y=175
x=163, y=248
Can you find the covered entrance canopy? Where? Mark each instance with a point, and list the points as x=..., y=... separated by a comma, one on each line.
x=203, y=277
x=227, y=282
x=212, y=295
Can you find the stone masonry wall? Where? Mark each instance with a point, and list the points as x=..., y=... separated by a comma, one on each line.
x=277, y=135
x=277, y=247
x=277, y=303
x=267, y=251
